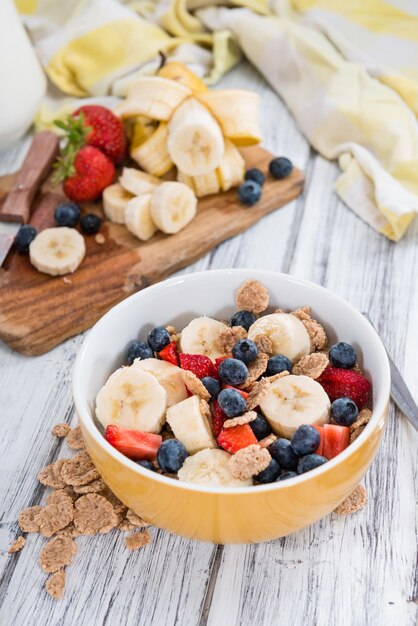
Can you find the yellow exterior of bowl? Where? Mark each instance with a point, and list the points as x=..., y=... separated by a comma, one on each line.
x=258, y=514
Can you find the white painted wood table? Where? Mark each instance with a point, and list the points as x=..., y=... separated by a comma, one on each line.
x=355, y=571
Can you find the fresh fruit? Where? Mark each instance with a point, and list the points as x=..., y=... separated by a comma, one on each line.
x=195, y=141
x=231, y=402
x=115, y=198
x=344, y=411
x=186, y=180
x=67, y=214
x=171, y=456
x=91, y=173
x=158, y=338
x=235, y=438
x=292, y=401
x=342, y=355
x=57, y=251
x=90, y=224
x=190, y=425
x=286, y=332
x=137, y=182
x=270, y=474
x=231, y=168
x=339, y=382
x=138, y=350
x=212, y=385
x=134, y=444
x=255, y=174
x=243, y=393
x=199, y=364
x=282, y=452
x=154, y=97
x=249, y=192
x=233, y=372
x=97, y=126
x=210, y=467
x=25, y=235
x=287, y=475
x=168, y=375
x=219, y=418
x=336, y=439
x=141, y=129
x=320, y=448
x=138, y=218
x=200, y=337
x=277, y=364
x=205, y=184
x=310, y=462
x=132, y=398
x=280, y=167
x=260, y=427
x=305, y=440
x=173, y=206
x=170, y=354
x=174, y=70
x=245, y=350
x=243, y=318
x=152, y=154
x=147, y=465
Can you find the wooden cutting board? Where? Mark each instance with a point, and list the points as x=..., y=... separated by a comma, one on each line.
x=37, y=311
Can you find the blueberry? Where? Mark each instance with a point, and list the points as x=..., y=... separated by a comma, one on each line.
x=278, y=363
x=270, y=474
x=309, y=462
x=138, y=350
x=255, y=174
x=260, y=427
x=158, y=338
x=344, y=411
x=212, y=385
x=287, y=475
x=280, y=167
x=25, y=235
x=305, y=440
x=233, y=372
x=342, y=355
x=243, y=318
x=245, y=350
x=90, y=224
x=231, y=402
x=282, y=451
x=171, y=455
x=148, y=465
x=249, y=192
x=67, y=214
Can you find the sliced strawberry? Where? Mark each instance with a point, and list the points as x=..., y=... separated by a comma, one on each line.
x=199, y=364
x=339, y=382
x=237, y=437
x=320, y=448
x=134, y=444
x=170, y=354
x=243, y=393
x=219, y=418
x=335, y=440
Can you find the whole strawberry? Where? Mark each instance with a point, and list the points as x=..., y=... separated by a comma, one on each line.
x=91, y=172
x=103, y=130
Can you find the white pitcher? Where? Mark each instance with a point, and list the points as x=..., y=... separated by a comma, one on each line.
x=22, y=81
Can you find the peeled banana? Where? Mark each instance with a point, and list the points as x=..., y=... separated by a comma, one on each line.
x=57, y=251
x=154, y=97
x=231, y=169
x=152, y=154
x=181, y=74
x=115, y=198
x=137, y=182
x=138, y=218
x=173, y=206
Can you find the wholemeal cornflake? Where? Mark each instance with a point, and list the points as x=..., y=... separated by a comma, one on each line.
x=61, y=430
x=94, y=514
x=138, y=539
x=249, y=461
x=170, y=329
x=267, y=441
x=264, y=344
x=79, y=470
x=258, y=391
x=255, y=369
x=357, y=428
x=27, y=521
x=50, y=476
x=54, y=517
x=195, y=385
x=279, y=310
x=17, y=545
x=96, y=486
x=69, y=531
x=100, y=239
x=252, y=296
x=205, y=409
x=57, y=553
x=58, y=496
x=355, y=502
x=119, y=508
x=311, y=365
x=75, y=439
x=135, y=519
x=229, y=337
x=246, y=418
x=316, y=332
x=271, y=379
x=55, y=585
x=125, y=525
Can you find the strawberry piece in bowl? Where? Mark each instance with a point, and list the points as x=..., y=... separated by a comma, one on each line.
x=334, y=439
x=199, y=364
x=219, y=418
x=237, y=437
x=170, y=354
x=338, y=383
x=134, y=444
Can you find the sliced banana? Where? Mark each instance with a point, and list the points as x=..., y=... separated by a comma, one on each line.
x=154, y=97
x=57, y=251
x=141, y=130
x=232, y=167
x=206, y=184
x=186, y=180
x=292, y=401
x=200, y=336
x=287, y=333
x=152, y=154
x=138, y=218
x=195, y=141
x=132, y=398
x=190, y=425
x=136, y=182
x=210, y=467
x=173, y=206
x=168, y=375
x=115, y=199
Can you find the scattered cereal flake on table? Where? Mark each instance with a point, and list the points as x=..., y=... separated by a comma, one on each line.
x=17, y=545
x=119, y=508
x=58, y=496
x=54, y=517
x=57, y=553
x=311, y=365
x=27, y=521
x=136, y=520
x=94, y=487
x=195, y=385
x=75, y=439
x=227, y=339
x=316, y=332
x=50, y=476
x=264, y=344
x=61, y=430
x=267, y=441
x=55, y=585
x=245, y=418
x=249, y=461
x=357, y=428
x=100, y=239
x=255, y=369
x=125, y=525
x=79, y=470
x=94, y=514
x=69, y=531
x=355, y=502
x=138, y=539
x=252, y=296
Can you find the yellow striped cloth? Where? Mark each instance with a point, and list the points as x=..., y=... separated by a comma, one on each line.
x=348, y=71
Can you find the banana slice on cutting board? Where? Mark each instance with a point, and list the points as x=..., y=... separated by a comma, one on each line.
x=286, y=332
x=231, y=169
x=138, y=218
x=154, y=97
x=137, y=182
x=206, y=184
x=292, y=401
x=115, y=198
x=200, y=336
x=152, y=154
x=173, y=206
x=210, y=467
x=190, y=425
x=168, y=375
x=57, y=251
x=132, y=398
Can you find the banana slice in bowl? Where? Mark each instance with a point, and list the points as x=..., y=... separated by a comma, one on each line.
x=168, y=375
x=201, y=335
x=286, y=332
x=210, y=467
x=190, y=425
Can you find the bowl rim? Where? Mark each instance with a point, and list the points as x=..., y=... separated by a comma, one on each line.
x=83, y=413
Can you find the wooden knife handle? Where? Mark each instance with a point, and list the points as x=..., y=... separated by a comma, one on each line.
x=35, y=169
